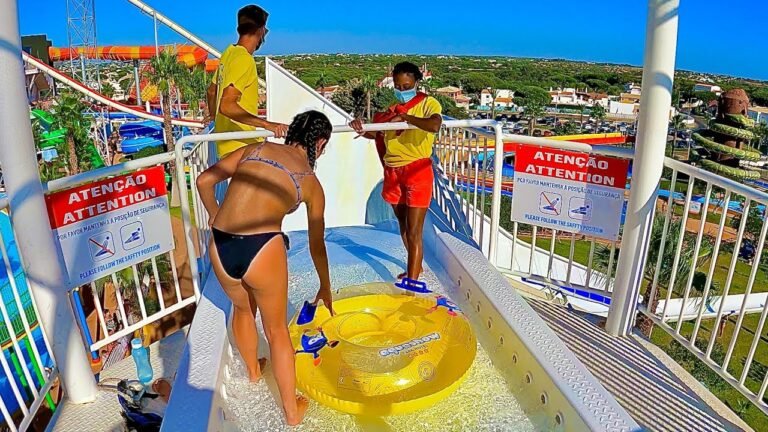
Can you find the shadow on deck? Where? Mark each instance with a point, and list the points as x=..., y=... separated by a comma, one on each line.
x=660, y=395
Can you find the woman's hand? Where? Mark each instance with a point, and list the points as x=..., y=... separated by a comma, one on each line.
x=326, y=296
x=211, y=219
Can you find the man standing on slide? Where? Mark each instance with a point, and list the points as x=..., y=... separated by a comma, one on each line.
x=233, y=96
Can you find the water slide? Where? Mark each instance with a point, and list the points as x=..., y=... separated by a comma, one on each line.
x=188, y=55
x=78, y=86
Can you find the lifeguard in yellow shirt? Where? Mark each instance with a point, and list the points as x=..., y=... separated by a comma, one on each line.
x=407, y=159
x=233, y=96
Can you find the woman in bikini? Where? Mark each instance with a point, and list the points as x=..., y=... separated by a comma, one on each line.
x=268, y=182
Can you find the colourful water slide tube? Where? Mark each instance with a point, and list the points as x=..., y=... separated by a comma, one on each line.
x=592, y=139
x=78, y=86
x=188, y=55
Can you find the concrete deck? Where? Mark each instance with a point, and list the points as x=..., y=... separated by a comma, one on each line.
x=658, y=393
x=104, y=413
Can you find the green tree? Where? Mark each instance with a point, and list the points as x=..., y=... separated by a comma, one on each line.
x=568, y=128
x=68, y=114
x=705, y=96
x=194, y=85
x=166, y=73
x=677, y=124
x=533, y=100
x=754, y=223
x=108, y=90
x=369, y=87
x=598, y=113
x=351, y=98
x=449, y=107
x=761, y=137
x=322, y=81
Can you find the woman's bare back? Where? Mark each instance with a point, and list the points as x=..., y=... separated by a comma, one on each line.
x=264, y=189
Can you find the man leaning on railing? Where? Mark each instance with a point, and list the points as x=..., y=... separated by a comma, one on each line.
x=233, y=96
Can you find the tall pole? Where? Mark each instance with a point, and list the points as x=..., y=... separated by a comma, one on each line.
x=157, y=45
x=138, y=82
x=45, y=269
x=656, y=99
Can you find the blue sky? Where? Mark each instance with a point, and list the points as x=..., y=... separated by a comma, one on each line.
x=594, y=30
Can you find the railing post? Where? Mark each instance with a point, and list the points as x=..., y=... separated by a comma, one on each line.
x=44, y=267
x=656, y=99
x=498, y=167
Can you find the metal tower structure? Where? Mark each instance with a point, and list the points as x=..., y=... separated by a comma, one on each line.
x=81, y=35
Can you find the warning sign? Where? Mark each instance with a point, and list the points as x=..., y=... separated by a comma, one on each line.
x=106, y=226
x=569, y=191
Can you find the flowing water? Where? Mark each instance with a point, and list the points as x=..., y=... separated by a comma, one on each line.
x=484, y=402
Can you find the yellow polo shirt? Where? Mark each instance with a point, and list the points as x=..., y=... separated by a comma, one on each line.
x=415, y=144
x=237, y=68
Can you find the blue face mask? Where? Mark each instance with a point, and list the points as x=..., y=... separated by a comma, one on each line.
x=405, y=96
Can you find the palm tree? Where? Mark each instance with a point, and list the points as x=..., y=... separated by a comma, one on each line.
x=534, y=109
x=677, y=124
x=165, y=73
x=369, y=85
x=107, y=89
x=68, y=114
x=322, y=81
x=193, y=88
x=598, y=112
x=685, y=264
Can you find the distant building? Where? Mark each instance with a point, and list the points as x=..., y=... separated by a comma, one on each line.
x=462, y=102
x=328, y=92
x=449, y=91
x=504, y=98
x=705, y=87
x=455, y=94
x=633, y=88
x=566, y=96
x=758, y=114
x=630, y=98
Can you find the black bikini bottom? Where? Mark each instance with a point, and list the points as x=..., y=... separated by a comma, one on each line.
x=237, y=251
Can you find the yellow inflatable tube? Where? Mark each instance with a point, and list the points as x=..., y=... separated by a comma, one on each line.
x=384, y=352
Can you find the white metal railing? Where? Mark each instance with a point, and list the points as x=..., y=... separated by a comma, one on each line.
x=26, y=358
x=465, y=156
x=144, y=293
x=705, y=290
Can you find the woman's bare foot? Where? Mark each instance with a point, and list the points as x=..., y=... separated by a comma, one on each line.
x=302, y=404
x=257, y=376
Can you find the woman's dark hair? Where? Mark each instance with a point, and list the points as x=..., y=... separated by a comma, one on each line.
x=306, y=129
x=408, y=68
x=250, y=19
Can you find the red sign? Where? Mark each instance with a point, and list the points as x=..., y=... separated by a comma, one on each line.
x=574, y=166
x=95, y=199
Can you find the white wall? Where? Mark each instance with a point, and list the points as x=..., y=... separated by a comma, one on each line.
x=349, y=170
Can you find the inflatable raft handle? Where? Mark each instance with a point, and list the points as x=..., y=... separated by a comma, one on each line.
x=413, y=285
x=307, y=313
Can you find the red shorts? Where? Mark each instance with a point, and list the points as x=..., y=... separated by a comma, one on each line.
x=410, y=184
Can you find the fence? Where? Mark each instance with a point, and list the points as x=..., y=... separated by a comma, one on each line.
x=26, y=358
x=705, y=268
x=144, y=293
x=469, y=159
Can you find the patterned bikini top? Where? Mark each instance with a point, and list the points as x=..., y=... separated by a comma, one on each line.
x=295, y=177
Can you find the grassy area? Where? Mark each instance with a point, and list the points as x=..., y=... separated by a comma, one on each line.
x=730, y=396
x=563, y=246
